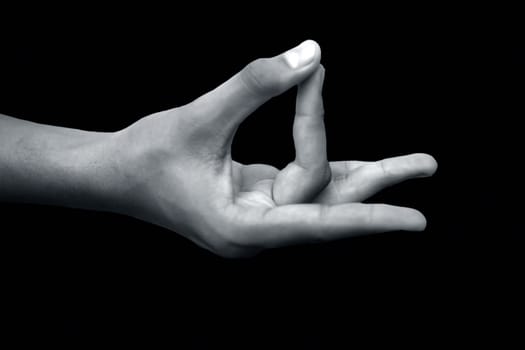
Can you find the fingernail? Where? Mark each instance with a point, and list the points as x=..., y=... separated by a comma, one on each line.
x=301, y=55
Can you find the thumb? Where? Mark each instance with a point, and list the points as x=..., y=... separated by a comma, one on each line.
x=230, y=103
x=266, y=78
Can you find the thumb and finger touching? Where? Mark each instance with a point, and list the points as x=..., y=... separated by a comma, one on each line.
x=225, y=107
x=228, y=105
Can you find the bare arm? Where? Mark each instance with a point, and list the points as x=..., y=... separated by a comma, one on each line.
x=54, y=165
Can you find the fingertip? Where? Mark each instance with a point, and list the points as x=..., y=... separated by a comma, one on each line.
x=417, y=221
x=315, y=47
x=427, y=163
x=304, y=56
x=433, y=164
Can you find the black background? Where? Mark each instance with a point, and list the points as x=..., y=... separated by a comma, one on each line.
x=442, y=83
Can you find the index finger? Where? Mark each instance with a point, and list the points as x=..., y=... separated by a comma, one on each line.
x=308, y=129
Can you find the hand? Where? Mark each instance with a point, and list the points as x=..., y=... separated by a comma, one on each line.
x=179, y=172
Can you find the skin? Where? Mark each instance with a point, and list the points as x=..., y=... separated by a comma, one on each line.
x=174, y=169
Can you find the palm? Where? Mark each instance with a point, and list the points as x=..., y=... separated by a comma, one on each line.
x=254, y=184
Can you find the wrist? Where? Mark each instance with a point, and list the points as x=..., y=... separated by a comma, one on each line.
x=80, y=169
x=131, y=154
x=100, y=172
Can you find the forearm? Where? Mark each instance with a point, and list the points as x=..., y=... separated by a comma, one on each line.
x=59, y=166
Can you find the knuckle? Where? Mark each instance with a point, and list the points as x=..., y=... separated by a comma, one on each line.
x=384, y=168
x=257, y=78
x=320, y=235
x=373, y=215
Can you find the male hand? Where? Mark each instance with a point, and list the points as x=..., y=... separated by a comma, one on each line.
x=178, y=171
